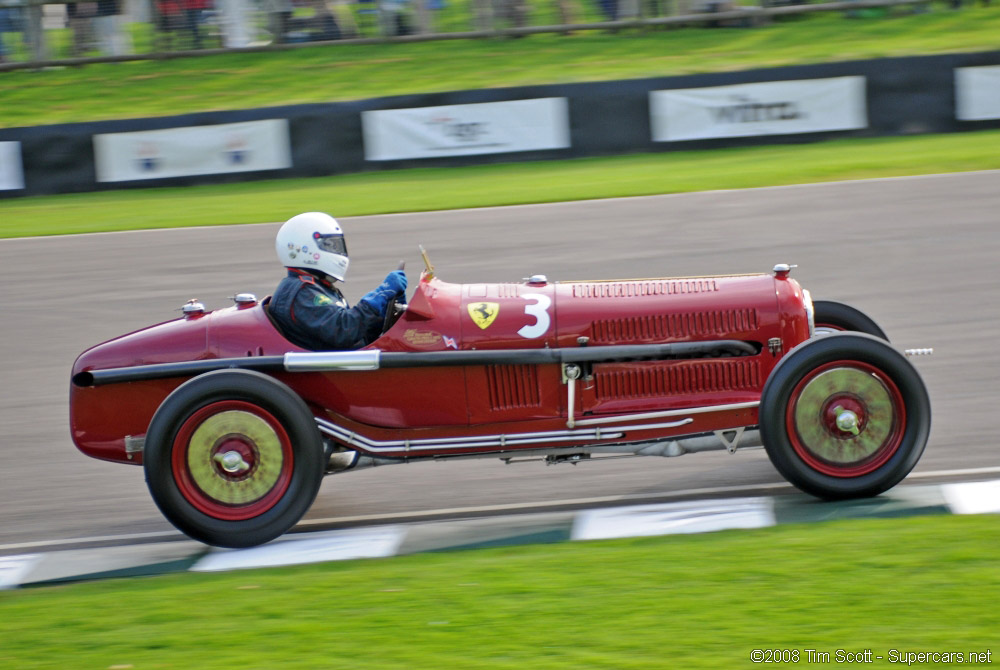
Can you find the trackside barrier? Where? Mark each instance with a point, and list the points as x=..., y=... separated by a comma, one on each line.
x=806, y=103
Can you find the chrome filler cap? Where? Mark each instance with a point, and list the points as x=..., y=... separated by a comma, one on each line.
x=244, y=300
x=781, y=270
x=193, y=309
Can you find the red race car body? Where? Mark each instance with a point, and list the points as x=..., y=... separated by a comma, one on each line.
x=235, y=425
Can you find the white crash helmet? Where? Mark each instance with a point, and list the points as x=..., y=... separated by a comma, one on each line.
x=313, y=241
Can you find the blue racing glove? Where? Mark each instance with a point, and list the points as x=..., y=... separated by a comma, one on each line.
x=377, y=299
x=394, y=285
x=395, y=281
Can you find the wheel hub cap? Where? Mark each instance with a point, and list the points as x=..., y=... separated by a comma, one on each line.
x=847, y=421
x=844, y=415
x=235, y=457
x=232, y=462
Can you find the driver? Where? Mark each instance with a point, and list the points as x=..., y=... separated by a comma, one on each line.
x=310, y=309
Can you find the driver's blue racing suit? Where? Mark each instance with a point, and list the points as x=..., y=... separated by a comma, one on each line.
x=313, y=314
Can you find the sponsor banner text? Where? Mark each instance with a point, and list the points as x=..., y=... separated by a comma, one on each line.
x=765, y=108
x=193, y=150
x=466, y=130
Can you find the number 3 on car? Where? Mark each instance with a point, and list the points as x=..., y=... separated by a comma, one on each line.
x=538, y=307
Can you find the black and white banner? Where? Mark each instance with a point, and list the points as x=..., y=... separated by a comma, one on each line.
x=977, y=93
x=466, y=130
x=765, y=108
x=11, y=169
x=193, y=150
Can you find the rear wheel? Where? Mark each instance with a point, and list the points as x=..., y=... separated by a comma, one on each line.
x=834, y=317
x=233, y=458
x=844, y=416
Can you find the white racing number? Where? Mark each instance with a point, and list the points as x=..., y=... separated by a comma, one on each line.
x=538, y=309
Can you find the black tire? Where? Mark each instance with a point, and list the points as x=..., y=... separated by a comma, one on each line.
x=233, y=458
x=825, y=381
x=833, y=316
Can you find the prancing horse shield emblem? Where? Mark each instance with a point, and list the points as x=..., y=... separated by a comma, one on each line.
x=484, y=313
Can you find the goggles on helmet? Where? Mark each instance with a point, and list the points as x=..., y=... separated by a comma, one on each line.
x=333, y=243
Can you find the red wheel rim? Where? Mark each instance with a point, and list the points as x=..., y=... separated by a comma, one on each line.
x=232, y=460
x=845, y=419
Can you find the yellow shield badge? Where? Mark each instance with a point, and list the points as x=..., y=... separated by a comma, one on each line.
x=484, y=313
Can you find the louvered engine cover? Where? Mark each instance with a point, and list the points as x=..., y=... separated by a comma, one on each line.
x=667, y=310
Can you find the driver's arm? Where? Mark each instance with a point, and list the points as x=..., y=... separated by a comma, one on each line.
x=338, y=327
x=335, y=327
x=393, y=287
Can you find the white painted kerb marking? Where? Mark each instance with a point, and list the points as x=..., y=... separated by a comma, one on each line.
x=973, y=497
x=338, y=545
x=695, y=516
x=13, y=569
x=511, y=507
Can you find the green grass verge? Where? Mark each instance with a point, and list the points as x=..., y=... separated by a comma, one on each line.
x=341, y=72
x=704, y=601
x=507, y=184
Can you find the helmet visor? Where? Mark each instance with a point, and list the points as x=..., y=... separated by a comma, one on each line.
x=333, y=243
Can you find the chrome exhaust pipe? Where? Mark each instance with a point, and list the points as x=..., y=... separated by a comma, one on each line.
x=342, y=461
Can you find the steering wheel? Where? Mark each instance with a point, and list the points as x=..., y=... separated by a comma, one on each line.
x=395, y=307
x=393, y=310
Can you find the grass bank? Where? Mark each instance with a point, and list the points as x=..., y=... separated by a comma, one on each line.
x=489, y=185
x=706, y=601
x=347, y=72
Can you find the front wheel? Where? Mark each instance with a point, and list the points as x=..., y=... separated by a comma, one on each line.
x=233, y=458
x=844, y=416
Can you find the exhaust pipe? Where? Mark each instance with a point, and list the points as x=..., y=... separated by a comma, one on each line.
x=342, y=461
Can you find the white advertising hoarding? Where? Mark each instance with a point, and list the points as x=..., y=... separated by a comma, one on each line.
x=194, y=150
x=977, y=93
x=466, y=130
x=765, y=108
x=11, y=169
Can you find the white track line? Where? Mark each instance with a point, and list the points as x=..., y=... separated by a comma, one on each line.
x=818, y=184
x=466, y=511
x=89, y=540
x=682, y=194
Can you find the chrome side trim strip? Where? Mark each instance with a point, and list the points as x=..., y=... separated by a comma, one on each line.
x=482, y=441
x=472, y=442
x=667, y=413
x=332, y=360
x=654, y=426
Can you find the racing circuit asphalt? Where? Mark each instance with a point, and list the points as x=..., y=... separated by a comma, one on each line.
x=920, y=255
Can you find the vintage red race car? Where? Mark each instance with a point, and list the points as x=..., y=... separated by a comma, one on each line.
x=236, y=427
